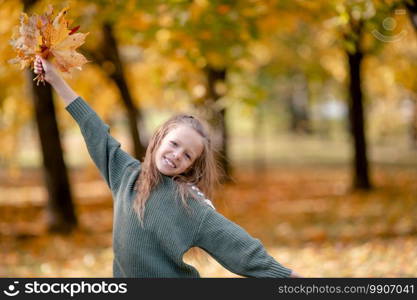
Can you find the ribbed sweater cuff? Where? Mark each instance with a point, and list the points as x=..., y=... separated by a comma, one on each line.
x=280, y=271
x=79, y=109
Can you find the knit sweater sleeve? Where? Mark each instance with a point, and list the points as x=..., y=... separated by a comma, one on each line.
x=105, y=151
x=235, y=249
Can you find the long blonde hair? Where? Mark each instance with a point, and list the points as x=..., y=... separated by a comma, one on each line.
x=204, y=173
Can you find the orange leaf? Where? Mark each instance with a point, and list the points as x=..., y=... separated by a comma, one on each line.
x=27, y=41
x=51, y=38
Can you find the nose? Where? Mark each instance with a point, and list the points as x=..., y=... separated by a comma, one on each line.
x=176, y=154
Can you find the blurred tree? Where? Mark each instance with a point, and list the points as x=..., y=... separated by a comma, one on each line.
x=212, y=36
x=359, y=18
x=298, y=105
x=108, y=53
x=289, y=56
x=353, y=17
x=215, y=77
x=362, y=31
x=105, y=52
x=60, y=208
x=411, y=6
x=355, y=54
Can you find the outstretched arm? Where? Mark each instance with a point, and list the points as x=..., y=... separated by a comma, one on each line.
x=54, y=78
x=236, y=250
x=105, y=151
x=295, y=275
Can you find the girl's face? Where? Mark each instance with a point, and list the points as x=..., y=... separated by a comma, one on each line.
x=178, y=150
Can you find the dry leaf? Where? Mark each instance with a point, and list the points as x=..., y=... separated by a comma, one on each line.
x=50, y=38
x=27, y=41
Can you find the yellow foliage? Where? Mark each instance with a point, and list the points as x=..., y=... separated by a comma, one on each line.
x=197, y=8
x=50, y=38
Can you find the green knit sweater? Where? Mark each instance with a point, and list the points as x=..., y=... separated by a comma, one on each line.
x=156, y=249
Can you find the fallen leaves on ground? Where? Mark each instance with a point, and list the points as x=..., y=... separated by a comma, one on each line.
x=307, y=217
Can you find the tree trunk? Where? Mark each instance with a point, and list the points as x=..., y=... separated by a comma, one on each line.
x=111, y=53
x=60, y=208
x=361, y=171
x=412, y=13
x=298, y=106
x=215, y=76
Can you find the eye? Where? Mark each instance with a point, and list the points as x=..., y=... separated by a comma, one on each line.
x=187, y=156
x=174, y=144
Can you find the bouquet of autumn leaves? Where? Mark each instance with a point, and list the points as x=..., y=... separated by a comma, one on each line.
x=51, y=38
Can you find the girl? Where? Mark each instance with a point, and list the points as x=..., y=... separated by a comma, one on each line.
x=159, y=210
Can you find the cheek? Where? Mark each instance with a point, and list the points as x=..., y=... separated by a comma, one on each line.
x=159, y=150
x=187, y=165
x=191, y=165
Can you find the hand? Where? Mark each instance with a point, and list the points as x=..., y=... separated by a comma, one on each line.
x=45, y=70
x=295, y=275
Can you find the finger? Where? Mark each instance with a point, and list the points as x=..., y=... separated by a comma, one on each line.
x=38, y=68
x=43, y=63
x=38, y=60
x=40, y=63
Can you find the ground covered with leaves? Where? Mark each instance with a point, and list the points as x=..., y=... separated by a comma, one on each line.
x=306, y=216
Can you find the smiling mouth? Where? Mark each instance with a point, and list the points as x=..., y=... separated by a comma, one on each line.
x=169, y=162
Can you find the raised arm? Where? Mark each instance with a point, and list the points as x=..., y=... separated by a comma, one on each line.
x=57, y=82
x=105, y=151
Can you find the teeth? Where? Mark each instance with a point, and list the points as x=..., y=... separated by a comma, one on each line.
x=169, y=162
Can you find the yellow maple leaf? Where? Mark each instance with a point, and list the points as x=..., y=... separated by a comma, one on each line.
x=26, y=41
x=50, y=38
x=66, y=58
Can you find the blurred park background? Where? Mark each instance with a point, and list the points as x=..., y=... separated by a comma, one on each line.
x=313, y=105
